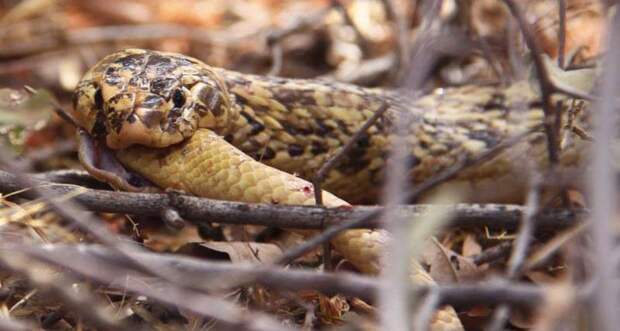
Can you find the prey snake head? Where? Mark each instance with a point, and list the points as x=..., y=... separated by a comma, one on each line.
x=150, y=98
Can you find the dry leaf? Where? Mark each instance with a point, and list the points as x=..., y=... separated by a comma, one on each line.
x=446, y=266
x=471, y=246
x=165, y=241
x=332, y=309
x=235, y=251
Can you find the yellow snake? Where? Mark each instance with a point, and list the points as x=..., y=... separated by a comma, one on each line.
x=181, y=124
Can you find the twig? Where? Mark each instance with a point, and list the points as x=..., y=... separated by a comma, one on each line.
x=276, y=59
x=488, y=56
x=136, y=281
x=342, y=152
x=519, y=251
x=562, y=34
x=71, y=176
x=398, y=258
x=203, y=211
x=522, y=243
x=463, y=164
x=334, y=161
x=428, y=307
x=602, y=187
x=363, y=42
x=102, y=264
x=547, y=88
x=493, y=254
x=430, y=183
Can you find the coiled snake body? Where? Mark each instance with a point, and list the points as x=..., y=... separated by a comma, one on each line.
x=181, y=124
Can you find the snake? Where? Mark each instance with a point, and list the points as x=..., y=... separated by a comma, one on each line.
x=165, y=120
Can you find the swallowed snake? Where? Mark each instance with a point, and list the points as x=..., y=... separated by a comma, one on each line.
x=161, y=119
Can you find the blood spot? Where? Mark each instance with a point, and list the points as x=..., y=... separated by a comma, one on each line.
x=308, y=190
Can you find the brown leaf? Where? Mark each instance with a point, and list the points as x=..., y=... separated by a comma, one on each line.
x=471, y=246
x=446, y=266
x=235, y=251
x=164, y=241
x=331, y=309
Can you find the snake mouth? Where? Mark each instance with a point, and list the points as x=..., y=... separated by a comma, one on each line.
x=101, y=162
x=137, y=133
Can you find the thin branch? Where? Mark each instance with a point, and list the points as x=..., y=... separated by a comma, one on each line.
x=343, y=152
x=399, y=259
x=204, y=211
x=602, y=187
x=123, y=275
x=334, y=161
x=427, y=309
x=546, y=85
x=363, y=42
x=562, y=33
x=519, y=252
x=463, y=164
x=101, y=264
x=492, y=254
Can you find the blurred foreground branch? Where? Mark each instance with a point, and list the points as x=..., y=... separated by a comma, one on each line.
x=101, y=264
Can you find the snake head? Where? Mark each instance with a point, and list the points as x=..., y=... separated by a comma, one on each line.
x=151, y=98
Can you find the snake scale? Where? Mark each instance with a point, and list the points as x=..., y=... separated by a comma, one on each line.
x=178, y=123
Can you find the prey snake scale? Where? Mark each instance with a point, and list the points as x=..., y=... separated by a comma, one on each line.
x=178, y=123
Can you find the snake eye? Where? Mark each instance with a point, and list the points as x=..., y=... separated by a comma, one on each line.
x=178, y=98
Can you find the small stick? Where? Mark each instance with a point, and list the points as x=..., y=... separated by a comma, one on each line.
x=562, y=34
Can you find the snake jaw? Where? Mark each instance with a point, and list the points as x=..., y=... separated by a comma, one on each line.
x=101, y=162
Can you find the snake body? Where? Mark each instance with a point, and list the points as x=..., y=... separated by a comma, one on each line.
x=220, y=134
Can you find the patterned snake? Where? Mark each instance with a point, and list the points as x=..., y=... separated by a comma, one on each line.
x=178, y=123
